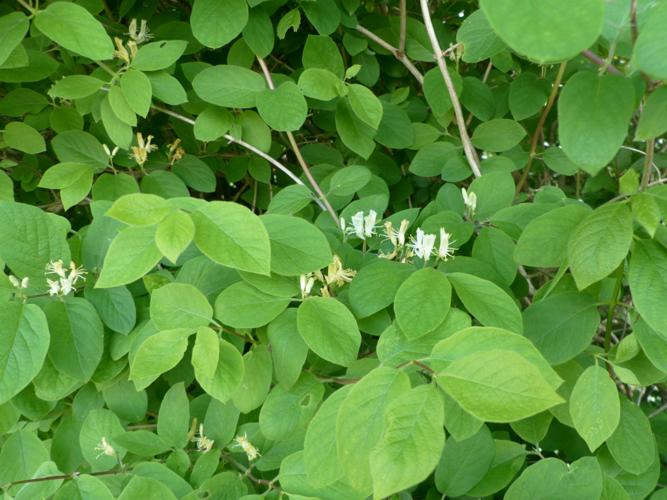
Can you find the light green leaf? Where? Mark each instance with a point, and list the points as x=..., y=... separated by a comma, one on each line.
x=648, y=285
x=232, y=235
x=291, y=20
x=498, y=135
x=562, y=325
x=173, y=420
x=158, y=55
x=297, y=246
x=174, y=234
x=508, y=460
x=146, y=488
x=360, y=422
x=546, y=31
x=97, y=424
x=25, y=335
x=167, y=88
x=13, y=28
x=487, y=302
x=179, y=305
x=137, y=91
x=322, y=52
x=437, y=95
x=74, y=28
x=320, y=83
x=22, y=454
x=600, y=243
x=412, y=441
x=243, y=306
x=77, y=337
x=422, y=302
x=478, y=39
x=159, y=353
x=288, y=350
x=528, y=95
x=649, y=48
x=284, y=108
x=594, y=406
x=646, y=212
x=354, y=133
x=76, y=87
x=329, y=329
x=633, y=443
x=63, y=175
x=139, y=209
x=256, y=382
x=218, y=365
x=258, y=33
x=120, y=107
x=365, y=105
x=494, y=191
x=229, y=86
x=22, y=137
x=430, y=159
x=216, y=23
x=593, y=116
x=118, y=131
x=212, y=123
x=130, y=256
x=349, y=180
x=653, y=120
x=498, y=386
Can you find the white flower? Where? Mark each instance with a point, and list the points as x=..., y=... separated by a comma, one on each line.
x=251, y=452
x=203, y=443
x=400, y=235
x=337, y=275
x=56, y=267
x=306, y=282
x=76, y=273
x=469, y=200
x=105, y=448
x=358, y=225
x=369, y=223
x=54, y=287
x=25, y=282
x=444, y=251
x=362, y=226
x=142, y=35
x=110, y=153
x=64, y=285
x=422, y=244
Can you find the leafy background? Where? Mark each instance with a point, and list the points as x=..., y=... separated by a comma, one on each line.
x=239, y=262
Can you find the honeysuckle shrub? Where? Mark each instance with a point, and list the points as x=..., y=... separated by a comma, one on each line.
x=333, y=249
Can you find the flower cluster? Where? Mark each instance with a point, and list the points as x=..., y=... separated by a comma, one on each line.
x=470, y=202
x=421, y=245
x=336, y=275
x=203, y=443
x=363, y=226
x=19, y=284
x=175, y=151
x=142, y=149
x=126, y=52
x=66, y=279
x=251, y=452
x=105, y=448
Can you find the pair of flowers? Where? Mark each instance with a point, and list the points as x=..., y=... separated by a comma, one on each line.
x=66, y=279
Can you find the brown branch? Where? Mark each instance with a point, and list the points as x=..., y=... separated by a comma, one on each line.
x=297, y=153
x=596, y=59
x=648, y=164
x=471, y=154
x=403, y=28
x=540, y=125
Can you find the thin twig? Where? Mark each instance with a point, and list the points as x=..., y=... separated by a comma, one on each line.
x=658, y=411
x=470, y=153
x=299, y=156
x=65, y=477
x=596, y=59
x=403, y=28
x=648, y=163
x=245, y=145
x=402, y=58
x=540, y=125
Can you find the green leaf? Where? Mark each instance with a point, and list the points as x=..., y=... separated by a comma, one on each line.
x=85, y=487
x=509, y=459
x=80, y=147
x=74, y=28
x=498, y=386
x=97, y=424
x=173, y=420
x=633, y=443
x=25, y=341
x=13, y=27
x=288, y=350
x=646, y=212
x=76, y=87
x=258, y=33
x=22, y=137
x=232, y=235
x=77, y=337
x=212, y=123
x=243, y=306
x=478, y=39
x=498, y=135
x=142, y=443
x=324, y=15
x=437, y=95
x=528, y=95
x=543, y=243
x=22, y=454
x=494, y=190
x=562, y=326
x=430, y=159
x=63, y=175
x=546, y=31
x=322, y=52
x=146, y=488
x=320, y=83
x=354, y=133
x=137, y=91
x=648, y=284
x=120, y=107
x=216, y=23
x=167, y=88
x=329, y=329
x=412, y=442
x=649, y=48
x=158, y=55
x=256, y=382
x=487, y=302
x=653, y=120
x=360, y=422
x=284, y=108
x=552, y=478
x=118, y=131
x=218, y=365
x=159, y=353
x=297, y=246
x=115, y=306
x=130, y=256
x=593, y=116
x=365, y=105
x=600, y=243
x=229, y=86
x=464, y=463
x=652, y=343
x=422, y=302
x=174, y=234
x=179, y=305
x=291, y=20
x=595, y=406
x=349, y=180
x=479, y=339
x=139, y=209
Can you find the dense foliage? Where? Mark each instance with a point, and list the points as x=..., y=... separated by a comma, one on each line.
x=333, y=249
